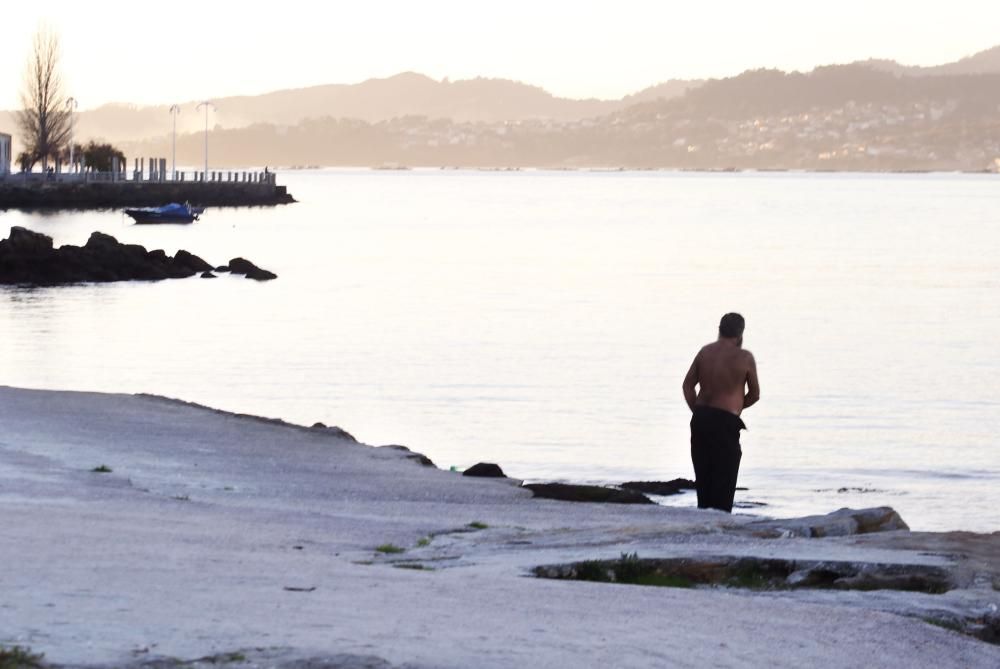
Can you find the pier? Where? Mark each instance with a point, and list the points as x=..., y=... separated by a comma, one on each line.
x=149, y=183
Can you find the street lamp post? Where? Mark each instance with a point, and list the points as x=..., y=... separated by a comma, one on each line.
x=174, y=111
x=71, y=105
x=206, y=104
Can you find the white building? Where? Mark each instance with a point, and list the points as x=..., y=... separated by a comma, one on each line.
x=4, y=154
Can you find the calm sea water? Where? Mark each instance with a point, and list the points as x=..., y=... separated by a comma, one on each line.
x=544, y=321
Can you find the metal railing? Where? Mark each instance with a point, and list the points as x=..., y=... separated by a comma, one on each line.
x=266, y=177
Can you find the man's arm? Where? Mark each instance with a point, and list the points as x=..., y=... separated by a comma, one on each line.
x=690, y=381
x=753, y=385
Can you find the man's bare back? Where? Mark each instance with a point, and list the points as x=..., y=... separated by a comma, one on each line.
x=726, y=377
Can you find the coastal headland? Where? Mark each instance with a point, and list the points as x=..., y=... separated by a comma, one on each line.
x=142, y=532
x=41, y=194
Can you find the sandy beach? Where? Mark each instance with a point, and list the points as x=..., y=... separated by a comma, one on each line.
x=237, y=540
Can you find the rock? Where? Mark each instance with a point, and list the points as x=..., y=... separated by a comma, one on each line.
x=251, y=271
x=485, y=470
x=28, y=257
x=674, y=487
x=259, y=274
x=27, y=243
x=222, y=268
x=587, y=493
x=411, y=455
x=99, y=241
x=842, y=522
x=335, y=431
x=421, y=459
x=240, y=266
x=208, y=275
x=191, y=261
x=748, y=505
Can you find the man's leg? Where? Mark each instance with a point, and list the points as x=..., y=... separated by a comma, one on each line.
x=702, y=476
x=726, y=472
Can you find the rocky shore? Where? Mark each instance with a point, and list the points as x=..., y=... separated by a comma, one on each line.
x=146, y=532
x=28, y=258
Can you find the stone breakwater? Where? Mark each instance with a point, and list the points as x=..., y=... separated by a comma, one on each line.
x=16, y=194
x=28, y=258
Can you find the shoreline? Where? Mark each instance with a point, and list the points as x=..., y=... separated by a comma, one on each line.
x=162, y=529
x=614, y=169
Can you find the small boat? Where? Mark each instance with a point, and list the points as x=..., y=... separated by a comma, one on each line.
x=169, y=213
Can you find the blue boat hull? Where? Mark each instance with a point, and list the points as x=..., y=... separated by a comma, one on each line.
x=171, y=213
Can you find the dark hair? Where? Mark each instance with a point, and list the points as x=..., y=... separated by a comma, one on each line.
x=731, y=326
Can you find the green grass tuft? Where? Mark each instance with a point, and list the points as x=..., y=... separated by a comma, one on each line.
x=592, y=570
x=103, y=469
x=414, y=566
x=477, y=525
x=389, y=549
x=426, y=541
x=17, y=657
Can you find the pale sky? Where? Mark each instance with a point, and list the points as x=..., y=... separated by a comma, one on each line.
x=181, y=50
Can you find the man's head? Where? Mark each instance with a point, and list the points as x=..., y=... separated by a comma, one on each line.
x=731, y=327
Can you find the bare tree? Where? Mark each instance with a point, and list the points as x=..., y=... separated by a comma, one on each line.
x=43, y=118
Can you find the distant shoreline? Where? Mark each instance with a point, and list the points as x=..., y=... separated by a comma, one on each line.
x=613, y=169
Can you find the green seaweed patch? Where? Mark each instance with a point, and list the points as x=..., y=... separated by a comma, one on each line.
x=102, y=469
x=945, y=623
x=226, y=658
x=663, y=581
x=18, y=657
x=424, y=542
x=476, y=525
x=389, y=549
x=414, y=566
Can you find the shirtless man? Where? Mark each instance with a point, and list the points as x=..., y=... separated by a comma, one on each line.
x=727, y=380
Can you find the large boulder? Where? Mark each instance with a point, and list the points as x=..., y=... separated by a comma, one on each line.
x=587, y=493
x=485, y=470
x=191, y=262
x=26, y=243
x=840, y=523
x=251, y=271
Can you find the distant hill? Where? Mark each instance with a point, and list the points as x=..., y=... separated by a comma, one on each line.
x=867, y=115
x=667, y=90
x=773, y=92
x=845, y=117
x=374, y=100
x=984, y=62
